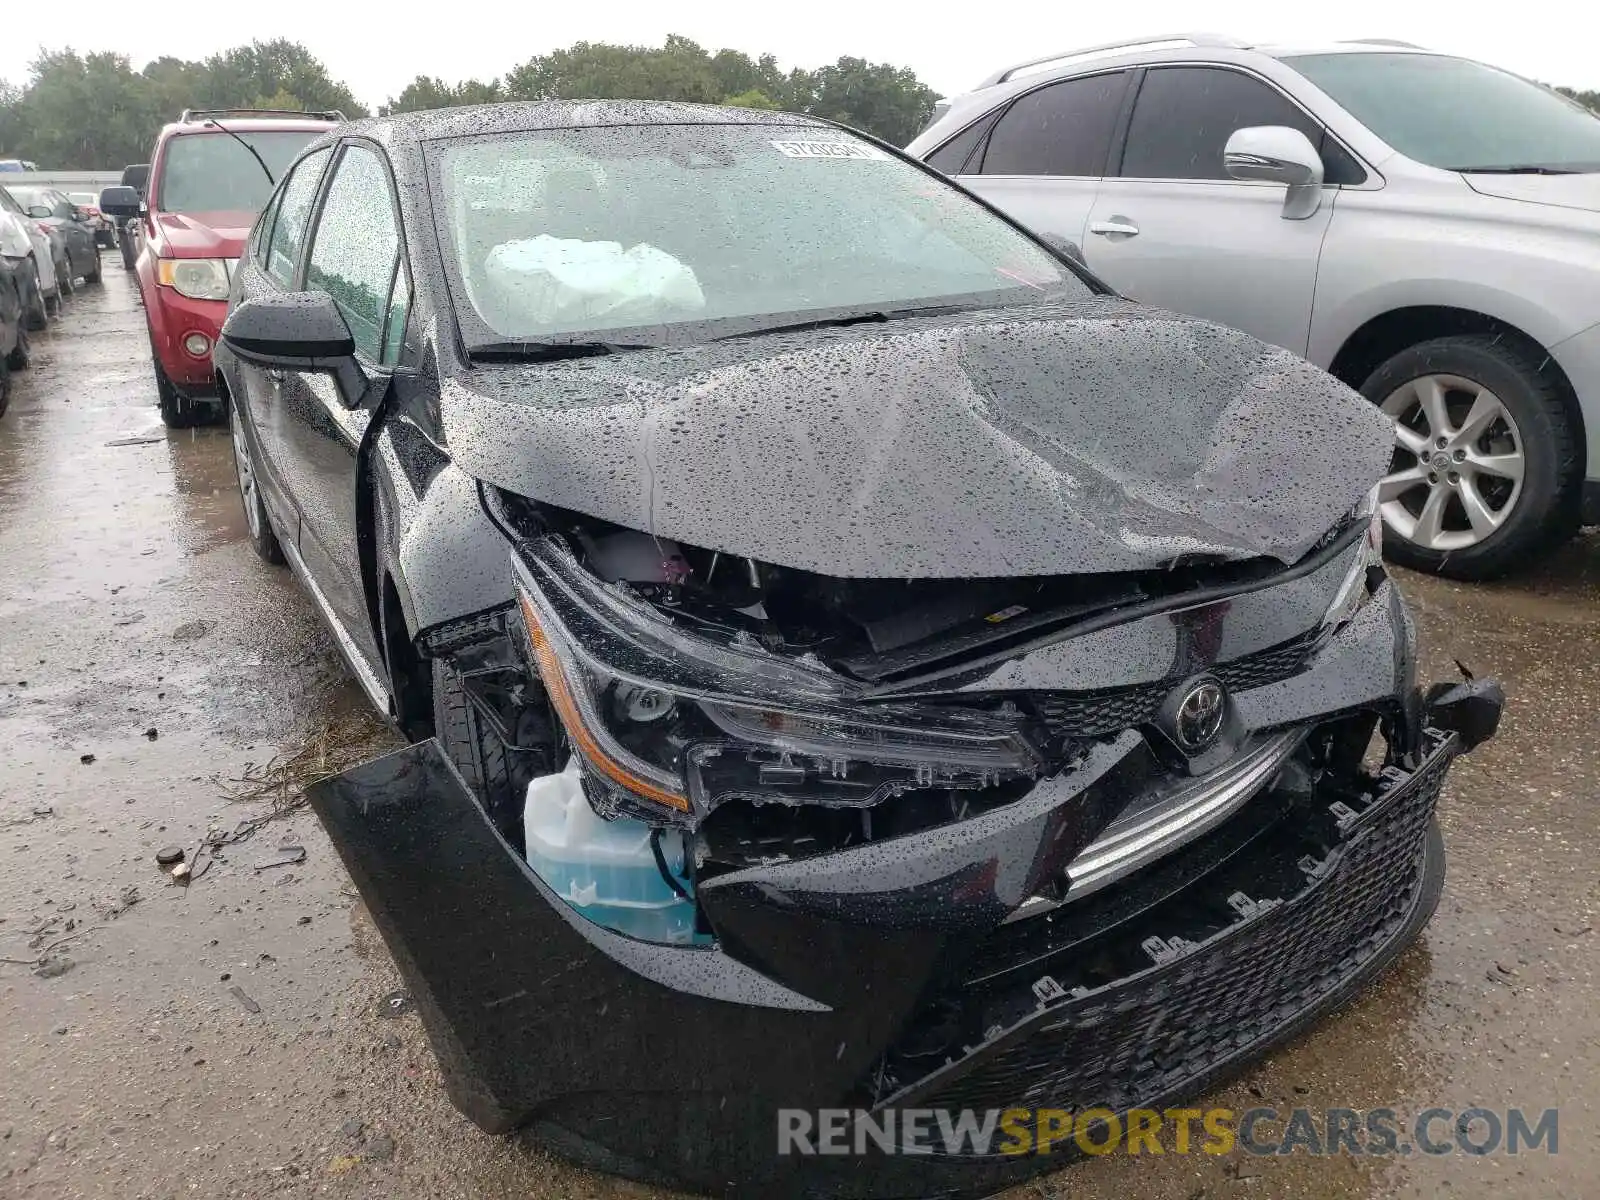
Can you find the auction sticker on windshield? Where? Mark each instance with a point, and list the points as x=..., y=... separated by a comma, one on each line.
x=829, y=150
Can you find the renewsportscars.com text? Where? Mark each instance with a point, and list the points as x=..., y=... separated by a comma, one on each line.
x=1261, y=1131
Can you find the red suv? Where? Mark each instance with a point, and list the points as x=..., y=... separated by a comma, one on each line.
x=210, y=174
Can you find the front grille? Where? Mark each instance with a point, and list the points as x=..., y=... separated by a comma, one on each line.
x=1212, y=996
x=1111, y=710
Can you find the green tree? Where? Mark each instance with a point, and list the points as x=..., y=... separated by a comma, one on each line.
x=679, y=70
x=1590, y=100
x=754, y=98
x=246, y=75
x=96, y=112
x=890, y=102
x=427, y=92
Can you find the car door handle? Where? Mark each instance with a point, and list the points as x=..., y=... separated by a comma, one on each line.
x=1115, y=227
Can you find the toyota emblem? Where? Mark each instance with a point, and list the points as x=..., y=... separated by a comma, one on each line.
x=1198, y=719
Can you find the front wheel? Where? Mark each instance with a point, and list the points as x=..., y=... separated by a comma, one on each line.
x=1485, y=473
x=92, y=275
x=20, y=354
x=262, y=539
x=177, y=410
x=37, y=315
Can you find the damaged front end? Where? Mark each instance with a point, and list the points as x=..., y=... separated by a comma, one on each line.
x=778, y=840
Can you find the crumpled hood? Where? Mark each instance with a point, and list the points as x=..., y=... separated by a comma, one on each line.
x=204, y=235
x=1563, y=191
x=1053, y=439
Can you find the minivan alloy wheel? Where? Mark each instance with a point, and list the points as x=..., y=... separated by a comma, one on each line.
x=1458, y=463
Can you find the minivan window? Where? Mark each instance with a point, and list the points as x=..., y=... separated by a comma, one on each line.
x=1457, y=114
x=1062, y=129
x=294, y=210
x=212, y=172
x=684, y=232
x=354, y=249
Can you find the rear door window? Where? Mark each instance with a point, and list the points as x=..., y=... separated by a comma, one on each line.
x=954, y=157
x=1060, y=129
x=294, y=212
x=1184, y=117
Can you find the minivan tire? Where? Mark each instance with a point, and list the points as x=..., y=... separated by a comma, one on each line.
x=1545, y=511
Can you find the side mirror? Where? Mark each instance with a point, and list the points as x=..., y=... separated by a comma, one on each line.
x=298, y=331
x=1278, y=154
x=39, y=210
x=119, y=201
x=136, y=175
x=1064, y=246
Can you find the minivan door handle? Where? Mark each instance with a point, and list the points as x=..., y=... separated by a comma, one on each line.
x=1115, y=227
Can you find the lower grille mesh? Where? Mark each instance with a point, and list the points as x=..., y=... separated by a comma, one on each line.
x=1145, y=1036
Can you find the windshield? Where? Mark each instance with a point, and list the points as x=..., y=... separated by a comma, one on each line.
x=212, y=172
x=84, y=199
x=1457, y=114
x=702, y=230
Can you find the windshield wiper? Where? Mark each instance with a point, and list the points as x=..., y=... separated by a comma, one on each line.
x=533, y=351
x=259, y=160
x=865, y=318
x=1517, y=169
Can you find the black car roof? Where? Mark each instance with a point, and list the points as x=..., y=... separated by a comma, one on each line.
x=521, y=116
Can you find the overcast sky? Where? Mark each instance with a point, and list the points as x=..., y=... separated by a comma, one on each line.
x=378, y=56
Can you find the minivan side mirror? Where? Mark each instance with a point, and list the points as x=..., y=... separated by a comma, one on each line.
x=40, y=210
x=298, y=331
x=119, y=201
x=1278, y=154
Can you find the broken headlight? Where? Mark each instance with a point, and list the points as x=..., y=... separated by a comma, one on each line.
x=1356, y=585
x=670, y=722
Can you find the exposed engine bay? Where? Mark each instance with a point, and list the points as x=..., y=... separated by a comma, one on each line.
x=733, y=713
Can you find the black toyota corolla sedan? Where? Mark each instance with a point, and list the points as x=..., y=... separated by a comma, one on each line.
x=855, y=663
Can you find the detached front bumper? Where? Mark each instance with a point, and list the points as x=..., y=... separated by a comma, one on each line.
x=909, y=973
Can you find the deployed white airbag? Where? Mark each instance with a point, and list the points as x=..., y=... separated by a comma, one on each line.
x=568, y=282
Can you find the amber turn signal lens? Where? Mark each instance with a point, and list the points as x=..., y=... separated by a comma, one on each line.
x=566, y=705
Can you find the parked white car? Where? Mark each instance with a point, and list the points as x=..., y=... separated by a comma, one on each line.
x=1425, y=227
x=23, y=237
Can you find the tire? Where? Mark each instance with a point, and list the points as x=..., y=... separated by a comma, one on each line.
x=1445, y=511
x=52, y=305
x=177, y=412
x=125, y=246
x=93, y=274
x=20, y=354
x=37, y=316
x=476, y=751
x=64, y=278
x=5, y=386
x=257, y=523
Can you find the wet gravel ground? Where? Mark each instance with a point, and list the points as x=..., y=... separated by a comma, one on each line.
x=229, y=1038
